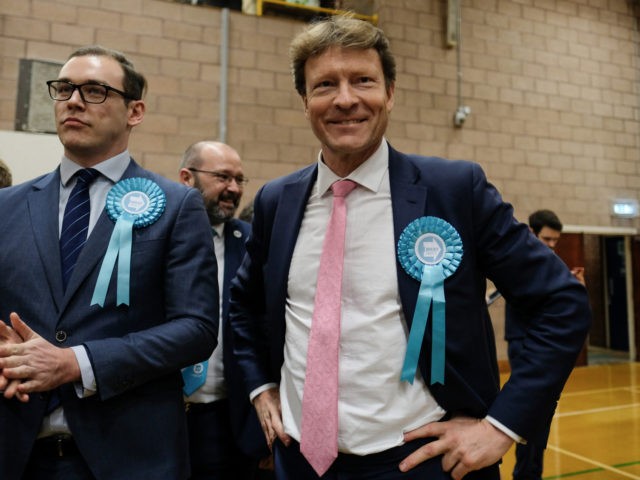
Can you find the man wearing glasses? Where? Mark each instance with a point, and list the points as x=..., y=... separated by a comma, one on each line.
x=90, y=356
x=225, y=438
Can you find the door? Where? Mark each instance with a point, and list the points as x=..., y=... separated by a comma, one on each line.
x=570, y=249
x=618, y=331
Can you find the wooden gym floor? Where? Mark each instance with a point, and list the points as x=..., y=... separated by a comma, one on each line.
x=595, y=434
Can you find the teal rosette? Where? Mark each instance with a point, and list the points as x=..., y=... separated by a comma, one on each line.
x=131, y=203
x=430, y=250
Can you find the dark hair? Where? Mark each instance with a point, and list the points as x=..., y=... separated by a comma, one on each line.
x=5, y=175
x=344, y=31
x=544, y=218
x=134, y=83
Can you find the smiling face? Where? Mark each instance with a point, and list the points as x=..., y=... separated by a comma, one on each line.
x=92, y=133
x=347, y=105
x=221, y=197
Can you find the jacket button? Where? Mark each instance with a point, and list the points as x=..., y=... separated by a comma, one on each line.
x=61, y=336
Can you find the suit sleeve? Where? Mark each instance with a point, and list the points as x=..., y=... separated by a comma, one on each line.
x=534, y=280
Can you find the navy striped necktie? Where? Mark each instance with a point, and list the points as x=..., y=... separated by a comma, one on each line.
x=75, y=222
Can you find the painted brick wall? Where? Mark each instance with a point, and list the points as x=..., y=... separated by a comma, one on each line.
x=552, y=86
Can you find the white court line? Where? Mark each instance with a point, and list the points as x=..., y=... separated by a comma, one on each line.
x=593, y=462
x=595, y=391
x=595, y=410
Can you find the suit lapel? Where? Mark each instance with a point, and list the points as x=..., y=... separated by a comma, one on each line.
x=286, y=224
x=409, y=202
x=43, y=203
x=233, y=252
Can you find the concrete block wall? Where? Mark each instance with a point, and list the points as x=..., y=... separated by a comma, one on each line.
x=552, y=86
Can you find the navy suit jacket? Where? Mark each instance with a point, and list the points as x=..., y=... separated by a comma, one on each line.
x=134, y=427
x=496, y=246
x=244, y=422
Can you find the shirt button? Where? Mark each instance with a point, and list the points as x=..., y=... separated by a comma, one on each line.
x=61, y=336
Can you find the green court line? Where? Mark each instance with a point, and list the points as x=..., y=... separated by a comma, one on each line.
x=591, y=470
x=573, y=474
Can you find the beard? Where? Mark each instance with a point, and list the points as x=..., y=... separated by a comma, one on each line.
x=218, y=215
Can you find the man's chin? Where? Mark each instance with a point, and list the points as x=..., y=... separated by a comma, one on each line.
x=217, y=219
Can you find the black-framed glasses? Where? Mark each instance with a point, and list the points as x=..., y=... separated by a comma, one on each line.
x=223, y=177
x=90, y=92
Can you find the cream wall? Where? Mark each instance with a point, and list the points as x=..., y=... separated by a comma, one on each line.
x=552, y=86
x=29, y=155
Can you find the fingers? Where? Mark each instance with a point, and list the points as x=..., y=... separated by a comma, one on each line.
x=459, y=471
x=12, y=369
x=425, y=452
x=20, y=327
x=278, y=427
x=578, y=273
x=265, y=422
x=8, y=334
x=429, y=430
x=12, y=391
x=268, y=409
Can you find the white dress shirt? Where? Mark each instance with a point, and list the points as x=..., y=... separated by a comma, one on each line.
x=214, y=387
x=375, y=408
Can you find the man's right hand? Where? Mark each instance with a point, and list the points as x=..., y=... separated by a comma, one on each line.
x=36, y=364
x=578, y=272
x=9, y=388
x=267, y=405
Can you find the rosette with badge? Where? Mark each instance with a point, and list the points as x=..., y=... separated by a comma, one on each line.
x=131, y=203
x=430, y=250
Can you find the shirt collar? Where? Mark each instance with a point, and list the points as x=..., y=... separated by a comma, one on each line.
x=369, y=175
x=113, y=168
x=219, y=229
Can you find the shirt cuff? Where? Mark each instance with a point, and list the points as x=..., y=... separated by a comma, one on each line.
x=514, y=436
x=259, y=390
x=88, y=386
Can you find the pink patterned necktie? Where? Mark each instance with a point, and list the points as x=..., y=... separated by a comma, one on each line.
x=319, y=437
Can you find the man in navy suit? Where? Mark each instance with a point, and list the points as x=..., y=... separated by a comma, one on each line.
x=91, y=368
x=419, y=231
x=225, y=439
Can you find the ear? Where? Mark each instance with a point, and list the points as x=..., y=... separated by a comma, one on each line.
x=135, y=112
x=305, y=106
x=391, y=96
x=186, y=177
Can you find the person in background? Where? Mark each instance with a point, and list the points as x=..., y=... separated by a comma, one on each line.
x=90, y=370
x=225, y=439
x=546, y=225
x=246, y=213
x=5, y=175
x=359, y=311
x=547, y=228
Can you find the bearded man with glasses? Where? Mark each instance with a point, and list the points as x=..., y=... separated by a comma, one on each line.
x=90, y=367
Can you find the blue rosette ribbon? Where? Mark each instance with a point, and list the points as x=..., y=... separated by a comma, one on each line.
x=429, y=250
x=131, y=203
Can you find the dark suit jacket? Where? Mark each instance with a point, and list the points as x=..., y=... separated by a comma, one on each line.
x=134, y=427
x=244, y=422
x=495, y=246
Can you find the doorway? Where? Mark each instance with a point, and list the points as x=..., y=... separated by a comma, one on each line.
x=617, y=320
x=612, y=273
